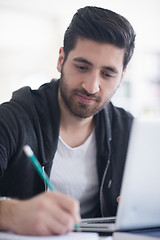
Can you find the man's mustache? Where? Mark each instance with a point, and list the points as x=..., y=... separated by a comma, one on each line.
x=87, y=94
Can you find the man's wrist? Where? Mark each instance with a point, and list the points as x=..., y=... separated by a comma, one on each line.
x=4, y=201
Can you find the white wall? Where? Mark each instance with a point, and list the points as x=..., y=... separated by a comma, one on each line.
x=31, y=32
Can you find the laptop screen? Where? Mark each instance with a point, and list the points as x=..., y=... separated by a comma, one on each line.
x=139, y=205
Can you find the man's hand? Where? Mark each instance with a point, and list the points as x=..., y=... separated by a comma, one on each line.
x=46, y=214
x=118, y=198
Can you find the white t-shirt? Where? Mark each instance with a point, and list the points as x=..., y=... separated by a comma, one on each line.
x=74, y=172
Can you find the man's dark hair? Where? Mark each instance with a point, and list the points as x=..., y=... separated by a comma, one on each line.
x=100, y=25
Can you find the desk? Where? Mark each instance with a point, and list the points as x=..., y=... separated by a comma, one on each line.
x=138, y=235
x=86, y=236
x=69, y=236
x=105, y=238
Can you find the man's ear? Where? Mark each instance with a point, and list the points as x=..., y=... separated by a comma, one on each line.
x=60, y=59
x=123, y=73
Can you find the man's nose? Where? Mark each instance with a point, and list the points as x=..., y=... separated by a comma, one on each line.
x=91, y=84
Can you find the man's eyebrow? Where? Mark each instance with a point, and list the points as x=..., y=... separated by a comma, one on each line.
x=82, y=60
x=112, y=69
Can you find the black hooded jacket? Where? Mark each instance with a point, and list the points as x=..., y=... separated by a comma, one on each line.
x=33, y=117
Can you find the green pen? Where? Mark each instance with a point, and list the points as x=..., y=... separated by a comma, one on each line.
x=29, y=153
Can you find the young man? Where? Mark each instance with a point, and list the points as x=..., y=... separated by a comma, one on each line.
x=79, y=137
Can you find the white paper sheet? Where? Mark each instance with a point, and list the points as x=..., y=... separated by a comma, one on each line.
x=69, y=236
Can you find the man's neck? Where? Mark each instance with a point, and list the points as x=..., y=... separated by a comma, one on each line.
x=74, y=130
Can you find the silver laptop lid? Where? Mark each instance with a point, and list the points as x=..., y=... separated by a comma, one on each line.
x=139, y=205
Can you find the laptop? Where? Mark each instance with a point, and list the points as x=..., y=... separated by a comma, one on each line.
x=139, y=205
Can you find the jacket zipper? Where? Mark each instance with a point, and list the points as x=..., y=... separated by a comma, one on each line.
x=102, y=183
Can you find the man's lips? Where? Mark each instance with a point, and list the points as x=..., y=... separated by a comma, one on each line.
x=85, y=99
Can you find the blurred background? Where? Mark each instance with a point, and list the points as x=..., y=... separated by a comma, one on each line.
x=31, y=33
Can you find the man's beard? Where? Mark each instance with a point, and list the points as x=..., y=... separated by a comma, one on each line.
x=77, y=108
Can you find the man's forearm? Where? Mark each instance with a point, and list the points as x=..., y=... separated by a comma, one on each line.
x=6, y=213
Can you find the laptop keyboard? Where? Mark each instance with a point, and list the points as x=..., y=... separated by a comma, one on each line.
x=99, y=220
